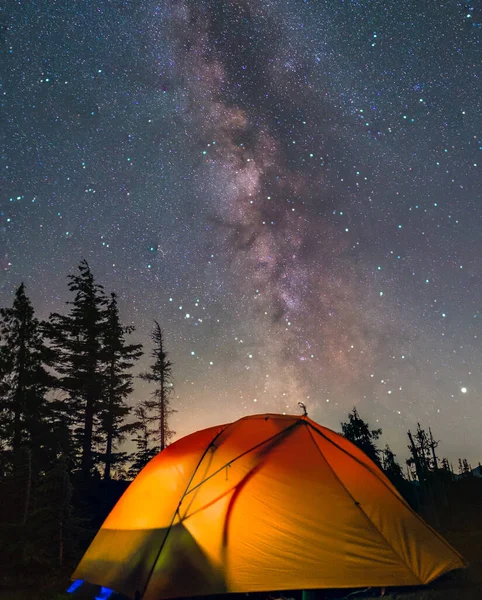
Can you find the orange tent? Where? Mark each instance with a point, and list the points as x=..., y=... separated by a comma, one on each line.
x=269, y=502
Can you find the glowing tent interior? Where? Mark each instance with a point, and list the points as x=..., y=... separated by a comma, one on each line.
x=269, y=502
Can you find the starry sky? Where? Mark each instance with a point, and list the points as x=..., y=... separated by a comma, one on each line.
x=292, y=188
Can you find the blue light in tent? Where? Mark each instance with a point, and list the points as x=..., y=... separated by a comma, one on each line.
x=104, y=594
x=75, y=585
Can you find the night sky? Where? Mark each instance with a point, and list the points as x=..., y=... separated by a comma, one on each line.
x=292, y=188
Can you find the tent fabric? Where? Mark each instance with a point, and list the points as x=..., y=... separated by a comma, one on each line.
x=269, y=502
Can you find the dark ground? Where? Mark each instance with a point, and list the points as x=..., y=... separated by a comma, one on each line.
x=460, y=523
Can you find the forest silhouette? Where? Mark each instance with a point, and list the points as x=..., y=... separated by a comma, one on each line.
x=67, y=416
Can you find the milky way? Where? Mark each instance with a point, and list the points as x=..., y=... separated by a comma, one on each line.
x=291, y=188
x=271, y=213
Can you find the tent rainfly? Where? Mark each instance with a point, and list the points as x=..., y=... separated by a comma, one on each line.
x=269, y=502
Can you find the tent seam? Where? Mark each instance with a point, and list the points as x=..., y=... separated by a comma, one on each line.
x=358, y=505
x=228, y=464
x=186, y=491
x=287, y=430
x=178, y=506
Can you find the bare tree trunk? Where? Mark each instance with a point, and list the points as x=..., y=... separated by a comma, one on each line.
x=17, y=407
x=110, y=426
x=432, y=445
x=108, y=455
x=88, y=431
x=29, y=487
x=162, y=420
x=61, y=543
x=89, y=417
x=416, y=460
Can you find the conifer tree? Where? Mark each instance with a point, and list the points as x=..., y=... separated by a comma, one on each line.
x=393, y=470
x=25, y=381
x=465, y=469
x=358, y=431
x=145, y=440
x=390, y=466
x=119, y=357
x=54, y=527
x=432, y=444
x=432, y=479
x=446, y=465
x=77, y=338
x=5, y=451
x=422, y=454
x=160, y=374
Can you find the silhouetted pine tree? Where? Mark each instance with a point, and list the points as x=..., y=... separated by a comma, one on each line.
x=77, y=338
x=5, y=451
x=423, y=458
x=119, y=358
x=53, y=528
x=25, y=382
x=145, y=440
x=465, y=469
x=16, y=495
x=447, y=469
x=159, y=408
x=433, y=479
x=391, y=467
x=358, y=431
x=395, y=474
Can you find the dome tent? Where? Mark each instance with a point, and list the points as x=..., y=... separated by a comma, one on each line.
x=269, y=502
